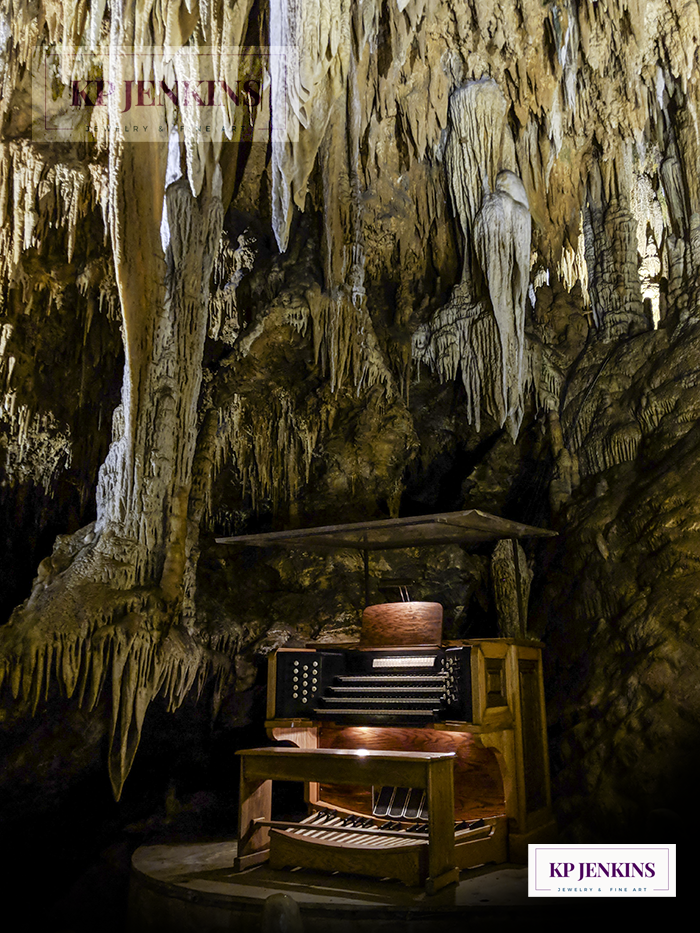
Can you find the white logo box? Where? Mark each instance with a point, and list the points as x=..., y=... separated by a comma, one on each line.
x=601, y=871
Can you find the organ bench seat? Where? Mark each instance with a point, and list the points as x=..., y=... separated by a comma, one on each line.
x=387, y=853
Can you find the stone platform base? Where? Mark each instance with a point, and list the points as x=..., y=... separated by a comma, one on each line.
x=192, y=887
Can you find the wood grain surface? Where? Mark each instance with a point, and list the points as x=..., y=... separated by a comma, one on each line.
x=477, y=777
x=401, y=624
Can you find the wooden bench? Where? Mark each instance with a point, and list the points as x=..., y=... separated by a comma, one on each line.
x=430, y=862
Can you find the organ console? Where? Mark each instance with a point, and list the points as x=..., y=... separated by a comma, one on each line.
x=420, y=757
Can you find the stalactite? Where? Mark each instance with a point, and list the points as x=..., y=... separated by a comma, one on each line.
x=37, y=447
x=37, y=196
x=479, y=146
x=96, y=281
x=493, y=211
x=654, y=405
x=316, y=98
x=306, y=81
x=86, y=638
x=557, y=102
x=136, y=660
x=616, y=446
x=345, y=343
x=502, y=240
x=231, y=265
x=271, y=447
x=555, y=88
x=458, y=339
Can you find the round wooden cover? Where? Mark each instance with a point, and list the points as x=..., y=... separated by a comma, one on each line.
x=409, y=623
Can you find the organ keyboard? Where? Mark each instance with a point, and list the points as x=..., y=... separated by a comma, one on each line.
x=418, y=760
x=380, y=686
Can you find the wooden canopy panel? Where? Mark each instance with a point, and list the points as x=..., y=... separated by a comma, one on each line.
x=470, y=527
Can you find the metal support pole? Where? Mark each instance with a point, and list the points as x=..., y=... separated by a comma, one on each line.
x=365, y=561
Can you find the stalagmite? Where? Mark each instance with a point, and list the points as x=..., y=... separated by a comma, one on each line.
x=511, y=578
x=611, y=256
x=565, y=473
x=231, y=265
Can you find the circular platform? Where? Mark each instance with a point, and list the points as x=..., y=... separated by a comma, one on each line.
x=188, y=887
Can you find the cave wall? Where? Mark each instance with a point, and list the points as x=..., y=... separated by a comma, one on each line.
x=464, y=275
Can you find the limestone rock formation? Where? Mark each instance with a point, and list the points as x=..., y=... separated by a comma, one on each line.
x=458, y=267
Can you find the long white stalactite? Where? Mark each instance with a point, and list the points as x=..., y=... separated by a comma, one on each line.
x=491, y=204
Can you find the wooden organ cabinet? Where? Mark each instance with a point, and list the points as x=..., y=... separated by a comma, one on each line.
x=419, y=757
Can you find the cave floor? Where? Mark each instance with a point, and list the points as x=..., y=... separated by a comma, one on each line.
x=193, y=886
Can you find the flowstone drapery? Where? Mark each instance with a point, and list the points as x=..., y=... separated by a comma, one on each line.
x=115, y=594
x=502, y=240
x=493, y=210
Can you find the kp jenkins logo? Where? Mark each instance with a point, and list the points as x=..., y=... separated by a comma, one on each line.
x=142, y=95
x=601, y=871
